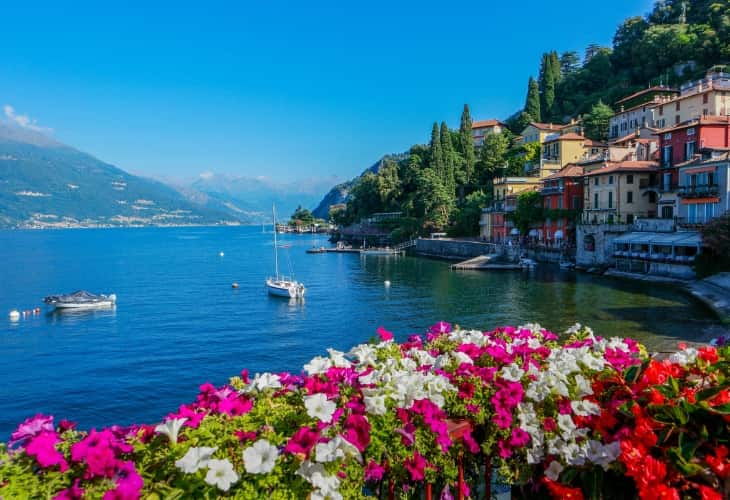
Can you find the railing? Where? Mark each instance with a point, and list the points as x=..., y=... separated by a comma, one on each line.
x=552, y=190
x=406, y=244
x=698, y=191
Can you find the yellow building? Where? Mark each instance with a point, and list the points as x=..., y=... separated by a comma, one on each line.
x=505, y=186
x=620, y=192
x=537, y=132
x=707, y=97
x=558, y=150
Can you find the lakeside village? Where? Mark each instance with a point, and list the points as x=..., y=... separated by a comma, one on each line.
x=635, y=203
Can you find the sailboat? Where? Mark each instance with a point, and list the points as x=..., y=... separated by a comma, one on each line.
x=281, y=286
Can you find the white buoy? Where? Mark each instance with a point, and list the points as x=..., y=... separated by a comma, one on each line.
x=14, y=315
x=221, y=254
x=386, y=283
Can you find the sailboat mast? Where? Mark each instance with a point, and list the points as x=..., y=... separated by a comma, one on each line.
x=276, y=250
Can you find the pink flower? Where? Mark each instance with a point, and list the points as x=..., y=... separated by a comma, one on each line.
x=244, y=436
x=75, y=492
x=408, y=432
x=192, y=415
x=438, y=329
x=416, y=466
x=43, y=448
x=374, y=471
x=357, y=431
x=66, y=425
x=384, y=334
x=302, y=441
x=470, y=443
x=31, y=427
x=502, y=418
x=129, y=483
x=519, y=438
x=549, y=424
x=503, y=448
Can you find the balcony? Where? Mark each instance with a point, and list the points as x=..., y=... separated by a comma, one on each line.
x=552, y=190
x=698, y=191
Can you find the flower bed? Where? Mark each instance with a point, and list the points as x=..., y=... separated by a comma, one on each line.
x=564, y=417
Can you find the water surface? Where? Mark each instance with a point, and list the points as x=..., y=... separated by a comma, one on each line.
x=178, y=322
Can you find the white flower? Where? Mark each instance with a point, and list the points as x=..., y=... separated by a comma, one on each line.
x=462, y=357
x=329, y=451
x=684, y=357
x=375, y=405
x=584, y=408
x=512, y=372
x=554, y=470
x=369, y=379
x=338, y=358
x=307, y=469
x=319, y=407
x=365, y=355
x=318, y=365
x=264, y=381
x=171, y=428
x=566, y=424
x=583, y=386
x=195, y=458
x=325, y=485
x=221, y=474
x=260, y=458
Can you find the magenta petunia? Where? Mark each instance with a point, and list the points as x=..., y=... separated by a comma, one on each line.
x=31, y=427
x=302, y=441
x=75, y=492
x=374, y=471
x=519, y=438
x=357, y=431
x=384, y=334
x=416, y=466
x=43, y=448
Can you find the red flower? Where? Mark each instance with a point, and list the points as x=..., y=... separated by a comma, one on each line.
x=707, y=493
x=652, y=473
x=560, y=491
x=659, y=492
x=719, y=462
x=708, y=354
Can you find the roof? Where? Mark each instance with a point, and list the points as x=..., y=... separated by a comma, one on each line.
x=655, y=88
x=625, y=166
x=680, y=239
x=721, y=155
x=702, y=120
x=570, y=136
x=547, y=126
x=486, y=123
x=597, y=144
x=569, y=170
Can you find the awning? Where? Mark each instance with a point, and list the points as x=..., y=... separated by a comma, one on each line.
x=514, y=231
x=678, y=239
x=533, y=232
x=559, y=234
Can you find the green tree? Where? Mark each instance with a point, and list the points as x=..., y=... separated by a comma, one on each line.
x=466, y=218
x=528, y=210
x=532, y=102
x=596, y=122
x=548, y=80
x=433, y=202
x=389, y=185
x=450, y=159
x=465, y=172
x=492, y=157
x=301, y=216
x=437, y=154
x=569, y=63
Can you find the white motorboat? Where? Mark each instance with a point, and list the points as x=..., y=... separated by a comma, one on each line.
x=280, y=286
x=81, y=299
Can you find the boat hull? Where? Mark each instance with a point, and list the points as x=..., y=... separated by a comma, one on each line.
x=288, y=289
x=95, y=305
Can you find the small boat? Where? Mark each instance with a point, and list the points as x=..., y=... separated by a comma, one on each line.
x=566, y=264
x=527, y=263
x=317, y=250
x=80, y=299
x=280, y=286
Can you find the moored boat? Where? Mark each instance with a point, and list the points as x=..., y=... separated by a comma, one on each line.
x=80, y=299
x=280, y=286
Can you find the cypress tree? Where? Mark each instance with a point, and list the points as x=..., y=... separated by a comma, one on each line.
x=437, y=154
x=549, y=76
x=532, y=103
x=448, y=153
x=466, y=172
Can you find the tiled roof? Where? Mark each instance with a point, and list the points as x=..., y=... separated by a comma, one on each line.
x=547, y=126
x=570, y=136
x=595, y=144
x=625, y=166
x=569, y=170
x=656, y=88
x=486, y=123
x=702, y=120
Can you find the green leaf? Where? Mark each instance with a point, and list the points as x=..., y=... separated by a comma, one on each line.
x=722, y=409
x=687, y=446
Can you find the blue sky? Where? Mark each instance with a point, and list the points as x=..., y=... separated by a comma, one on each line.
x=286, y=90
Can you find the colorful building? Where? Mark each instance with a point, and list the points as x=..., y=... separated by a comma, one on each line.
x=636, y=111
x=707, y=97
x=562, y=198
x=483, y=128
x=559, y=150
x=704, y=188
x=620, y=192
x=681, y=144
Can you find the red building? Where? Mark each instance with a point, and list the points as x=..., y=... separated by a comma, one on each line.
x=562, y=194
x=680, y=144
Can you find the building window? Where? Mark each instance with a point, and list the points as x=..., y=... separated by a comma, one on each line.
x=678, y=102
x=576, y=203
x=661, y=110
x=705, y=98
x=610, y=199
x=652, y=197
x=676, y=120
x=667, y=212
x=691, y=131
x=667, y=156
x=629, y=196
x=689, y=150
x=595, y=200
x=629, y=179
x=705, y=112
x=610, y=179
x=595, y=181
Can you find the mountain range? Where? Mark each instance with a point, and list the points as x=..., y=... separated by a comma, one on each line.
x=44, y=183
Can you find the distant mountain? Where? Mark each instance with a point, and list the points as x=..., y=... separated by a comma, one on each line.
x=252, y=197
x=341, y=192
x=44, y=183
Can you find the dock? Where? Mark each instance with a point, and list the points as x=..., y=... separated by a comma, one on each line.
x=485, y=262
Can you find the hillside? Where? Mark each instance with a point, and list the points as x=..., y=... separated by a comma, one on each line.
x=44, y=183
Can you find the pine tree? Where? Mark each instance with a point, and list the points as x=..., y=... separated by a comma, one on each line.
x=548, y=81
x=532, y=103
x=437, y=153
x=466, y=148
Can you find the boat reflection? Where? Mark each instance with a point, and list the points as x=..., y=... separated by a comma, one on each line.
x=72, y=316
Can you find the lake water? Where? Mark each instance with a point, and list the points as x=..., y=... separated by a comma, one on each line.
x=178, y=323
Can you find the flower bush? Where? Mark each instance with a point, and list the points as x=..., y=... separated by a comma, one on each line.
x=566, y=417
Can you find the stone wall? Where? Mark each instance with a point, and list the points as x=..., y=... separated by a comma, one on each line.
x=452, y=249
x=600, y=253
